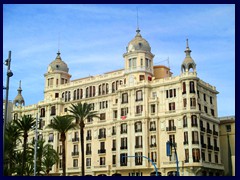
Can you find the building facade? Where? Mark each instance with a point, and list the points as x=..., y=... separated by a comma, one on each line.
x=227, y=141
x=141, y=107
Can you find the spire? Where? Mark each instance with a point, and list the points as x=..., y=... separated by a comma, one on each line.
x=58, y=55
x=138, y=30
x=187, y=51
x=19, y=98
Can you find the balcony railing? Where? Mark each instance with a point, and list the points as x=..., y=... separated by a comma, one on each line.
x=153, y=129
x=123, y=164
x=123, y=147
x=215, y=133
x=138, y=146
x=209, y=131
x=123, y=132
x=100, y=136
x=184, y=125
x=75, y=139
x=194, y=125
x=216, y=148
x=171, y=128
x=88, y=152
x=204, y=145
x=153, y=145
x=139, y=99
x=202, y=129
x=210, y=147
x=138, y=130
x=75, y=153
x=195, y=142
x=101, y=151
x=89, y=138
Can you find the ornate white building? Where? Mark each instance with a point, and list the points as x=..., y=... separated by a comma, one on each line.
x=141, y=107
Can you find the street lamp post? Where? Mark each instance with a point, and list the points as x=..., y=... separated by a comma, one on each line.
x=169, y=146
x=35, y=145
x=9, y=74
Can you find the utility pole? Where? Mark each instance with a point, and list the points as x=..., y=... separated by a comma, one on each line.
x=9, y=74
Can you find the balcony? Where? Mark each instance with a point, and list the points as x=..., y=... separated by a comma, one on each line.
x=138, y=146
x=101, y=136
x=88, y=152
x=138, y=163
x=123, y=131
x=210, y=147
x=202, y=129
x=89, y=138
x=138, y=130
x=216, y=148
x=195, y=142
x=209, y=131
x=123, y=147
x=194, y=125
x=215, y=133
x=139, y=99
x=123, y=164
x=184, y=125
x=153, y=145
x=171, y=128
x=113, y=133
x=101, y=151
x=75, y=153
x=75, y=139
x=153, y=129
x=204, y=145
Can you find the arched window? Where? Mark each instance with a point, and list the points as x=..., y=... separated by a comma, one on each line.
x=42, y=114
x=77, y=93
x=86, y=94
x=113, y=87
x=185, y=121
x=138, y=126
x=99, y=89
x=74, y=95
x=183, y=88
x=139, y=95
x=192, y=89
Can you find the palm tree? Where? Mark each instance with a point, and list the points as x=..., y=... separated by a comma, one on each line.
x=50, y=157
x=24, y=125
x=12, y=135
x=62, y=124
x=81, y=112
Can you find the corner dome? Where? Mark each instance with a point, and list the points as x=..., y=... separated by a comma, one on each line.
x=58, y=65
x=138, y=43
x=188, y=63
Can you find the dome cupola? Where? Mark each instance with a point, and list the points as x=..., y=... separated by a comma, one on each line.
x=188, y=63
x=58, y=65
x=138, y=43
x=19, y=98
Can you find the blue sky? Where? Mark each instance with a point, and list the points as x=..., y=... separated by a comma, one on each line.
x=93, y=38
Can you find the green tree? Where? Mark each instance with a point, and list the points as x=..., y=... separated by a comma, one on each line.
x=62, y=124
x=82, y=112
x=12, y=135
x=50, y=157
x=24, y=125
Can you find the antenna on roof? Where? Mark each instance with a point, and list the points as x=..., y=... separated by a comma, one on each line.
x=137, y=20
x=58, y=41
x=164, y=61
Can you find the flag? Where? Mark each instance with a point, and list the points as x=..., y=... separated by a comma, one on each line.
x=123, y=117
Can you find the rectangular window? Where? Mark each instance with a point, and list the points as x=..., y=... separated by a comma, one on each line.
x=139, y=109
x=171, y=126
x=212, y=112
x=216, y=158
x=193, y=103
x=123, y=159
x=114, y=130
x=209, y=157
x=102, y=161
x=114, y=159
x=195, y=137
x=139, y=95
x=114, y=145
x=152, y=126
x=228, y=128
x=186, y=155
x=184, y=102
x=154, y=156
x=124, y=111
x=123, y=143
x=88, y=149
x=103, y=116
x=172, y=106
x=138, y=158
x=153, y=108
x=185, y=138
x=203, y=155
x=124, y=98
x=196, y=155
x=75, y=162
x=123, y=128
x=138, y=141
x=153, y=141
x=115, y=114
x=199, y=107
x=205, y=109
x=211, y=99
x=141, y=77
x=204, y=97
x=88, y=162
